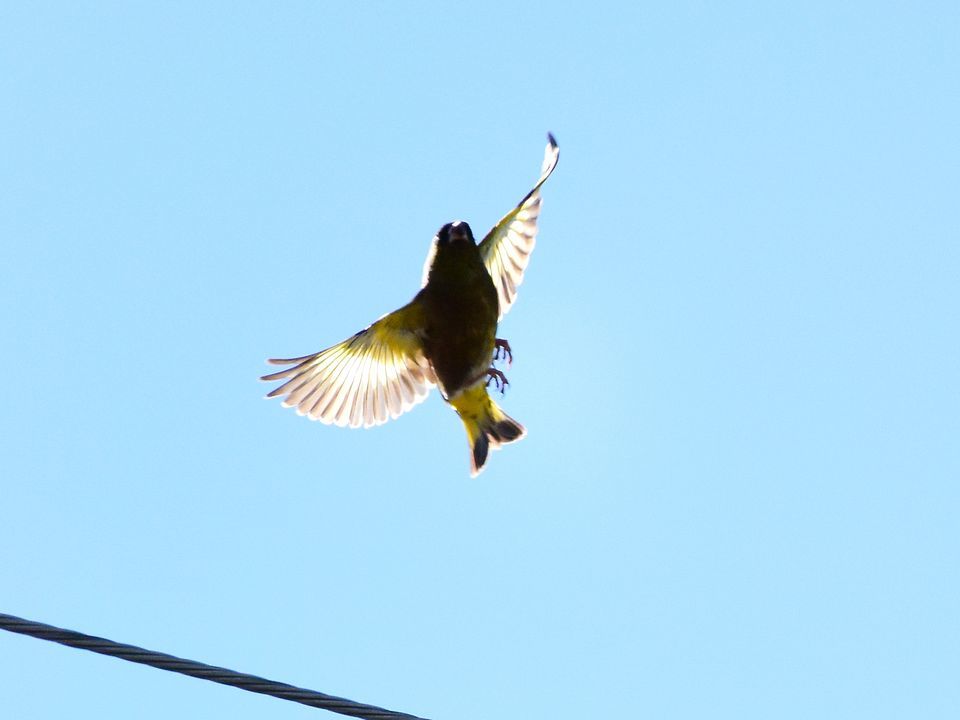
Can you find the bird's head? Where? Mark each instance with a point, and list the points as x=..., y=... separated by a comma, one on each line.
x=454, y=233
x=450, y=242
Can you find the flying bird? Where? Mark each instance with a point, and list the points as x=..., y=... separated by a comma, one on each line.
x=446, y=337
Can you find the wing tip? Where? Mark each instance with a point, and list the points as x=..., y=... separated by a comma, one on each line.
x=292, y=361
x=552, y=140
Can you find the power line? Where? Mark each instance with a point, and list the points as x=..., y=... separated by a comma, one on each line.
x=162, y=661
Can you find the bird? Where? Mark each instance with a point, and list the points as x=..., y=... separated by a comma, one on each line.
x=444, y=337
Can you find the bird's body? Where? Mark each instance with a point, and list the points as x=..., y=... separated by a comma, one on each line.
x=460, y=309
x=445, y=336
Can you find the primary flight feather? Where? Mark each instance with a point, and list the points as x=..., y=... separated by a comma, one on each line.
x=445, y=336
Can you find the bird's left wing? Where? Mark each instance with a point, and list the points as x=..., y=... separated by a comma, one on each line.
x=506, y=248
x=377, y=374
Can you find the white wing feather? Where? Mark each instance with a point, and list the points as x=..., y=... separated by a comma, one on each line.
x=376, y=375
x=507, y=247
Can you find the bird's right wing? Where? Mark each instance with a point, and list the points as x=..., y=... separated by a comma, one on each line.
x=377, y=374
x=506, y=248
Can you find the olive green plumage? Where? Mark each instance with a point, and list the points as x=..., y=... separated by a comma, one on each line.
x=460, y=309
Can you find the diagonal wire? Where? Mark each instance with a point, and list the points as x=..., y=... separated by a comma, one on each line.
x=162, y=661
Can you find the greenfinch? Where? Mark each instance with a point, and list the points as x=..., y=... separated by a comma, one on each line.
x=445, y=336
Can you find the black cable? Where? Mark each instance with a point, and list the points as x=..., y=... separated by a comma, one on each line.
x=162, y=661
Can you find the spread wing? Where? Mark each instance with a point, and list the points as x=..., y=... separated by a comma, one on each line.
x=377, y=374
x=506, y=248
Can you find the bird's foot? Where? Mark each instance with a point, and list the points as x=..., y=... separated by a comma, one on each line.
x=497, y=377
x=502, y=351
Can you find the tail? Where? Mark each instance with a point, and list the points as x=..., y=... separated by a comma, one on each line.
x=488, y=427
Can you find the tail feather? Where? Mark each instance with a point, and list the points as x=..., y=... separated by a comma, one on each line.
x=488, y=427
x=506, y=430
x=481, y=446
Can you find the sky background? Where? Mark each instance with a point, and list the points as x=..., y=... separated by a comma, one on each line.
x=736, y=355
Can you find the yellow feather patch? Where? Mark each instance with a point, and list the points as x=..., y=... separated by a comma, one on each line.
x=374, y=376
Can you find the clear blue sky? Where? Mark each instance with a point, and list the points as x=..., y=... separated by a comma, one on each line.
x=736, y=354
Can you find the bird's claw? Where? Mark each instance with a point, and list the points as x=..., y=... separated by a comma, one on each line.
x=498, y=378
x=502, y=351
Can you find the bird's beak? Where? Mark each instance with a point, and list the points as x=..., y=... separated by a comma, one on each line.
x=458, y=232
